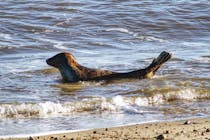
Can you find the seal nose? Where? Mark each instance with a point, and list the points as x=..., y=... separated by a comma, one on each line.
x=48, y=62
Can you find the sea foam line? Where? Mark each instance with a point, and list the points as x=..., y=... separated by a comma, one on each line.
x=67, y=131
x=115, y=104
x=80, y=130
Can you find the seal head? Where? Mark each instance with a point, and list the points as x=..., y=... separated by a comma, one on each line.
x=66, y=64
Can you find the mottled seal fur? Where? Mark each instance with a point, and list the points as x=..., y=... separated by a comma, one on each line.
x=72, y=71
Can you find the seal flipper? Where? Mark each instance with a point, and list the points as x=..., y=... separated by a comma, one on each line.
x=156, y=64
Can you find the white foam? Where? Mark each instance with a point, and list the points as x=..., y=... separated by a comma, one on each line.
x=152, y=38
x=141, y=101
x=136, y=35
x=182, y=94
x=194, y=44
x=59, y=45
x=47, y=109
x=56, y=44
x=115, y=104
x=202, y=60
x=107, y=105
x=123, y=30
x=119, y=101
x=185, y=94
x=146, y=101
x=149, y=38
x=30, y=110
x=5, y=36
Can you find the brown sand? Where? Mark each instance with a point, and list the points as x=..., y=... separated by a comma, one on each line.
x=193, y=129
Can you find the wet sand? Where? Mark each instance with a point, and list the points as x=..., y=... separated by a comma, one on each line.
x=197, y=129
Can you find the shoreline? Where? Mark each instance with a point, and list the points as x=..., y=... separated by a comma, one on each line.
x=198, y=128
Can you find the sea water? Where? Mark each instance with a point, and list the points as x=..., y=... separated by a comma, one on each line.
x=113, y=35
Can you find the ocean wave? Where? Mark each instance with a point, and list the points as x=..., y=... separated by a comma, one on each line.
x=96, y=104
x=6, y=48
x=5, y=36
x=123, y=30
x=148, y=38
x=56, y=44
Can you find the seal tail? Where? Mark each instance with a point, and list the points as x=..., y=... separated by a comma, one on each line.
x=156, y=63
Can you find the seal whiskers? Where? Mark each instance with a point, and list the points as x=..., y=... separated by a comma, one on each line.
x=72, y=71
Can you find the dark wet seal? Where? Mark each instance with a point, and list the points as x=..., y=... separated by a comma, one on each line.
x=72, y=71
x=30, y=138
x=187, y=122
x=161, y=137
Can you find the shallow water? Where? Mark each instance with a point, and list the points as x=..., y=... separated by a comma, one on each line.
x=114, y=35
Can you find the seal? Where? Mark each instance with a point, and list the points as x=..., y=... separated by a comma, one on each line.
x=72, y=71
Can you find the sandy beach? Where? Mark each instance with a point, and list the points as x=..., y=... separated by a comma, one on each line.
x=192, y=129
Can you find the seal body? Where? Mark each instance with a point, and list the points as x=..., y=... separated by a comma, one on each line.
x=72, y=71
